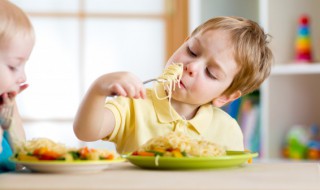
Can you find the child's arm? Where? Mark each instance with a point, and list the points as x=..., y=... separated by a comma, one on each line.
x=16, y=128
x=93, y=121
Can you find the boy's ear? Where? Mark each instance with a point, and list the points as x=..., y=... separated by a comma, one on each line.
x=224, y=99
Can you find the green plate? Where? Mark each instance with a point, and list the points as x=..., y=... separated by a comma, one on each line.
x=232, y=159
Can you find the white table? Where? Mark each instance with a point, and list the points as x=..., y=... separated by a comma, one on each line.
x=256, y=176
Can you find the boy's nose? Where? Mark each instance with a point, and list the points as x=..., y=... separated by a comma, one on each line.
x=191, y=68
x=22, y=78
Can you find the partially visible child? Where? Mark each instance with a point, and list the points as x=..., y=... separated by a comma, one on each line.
x=224, y=58
x=16, y=43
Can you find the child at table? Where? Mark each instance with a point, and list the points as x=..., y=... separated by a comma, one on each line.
x=223, y=59
x=16, y=44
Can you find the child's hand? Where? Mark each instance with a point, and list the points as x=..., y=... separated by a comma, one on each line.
x=7, y=98
x=120, y=84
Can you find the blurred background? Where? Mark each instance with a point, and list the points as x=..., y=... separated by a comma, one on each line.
x=79, y=40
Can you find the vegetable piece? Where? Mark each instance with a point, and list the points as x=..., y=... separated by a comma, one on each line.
x=44, y=154
x=159, y=150
x=176, y=153
x=75, y=155
x=145, y=153
x=26, y=157
x=108, y=157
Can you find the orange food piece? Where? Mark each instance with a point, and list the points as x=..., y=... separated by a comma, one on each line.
x=44, y=154
x=109, y=157
x=144, y=153
x=161, y=150
x=84, y=152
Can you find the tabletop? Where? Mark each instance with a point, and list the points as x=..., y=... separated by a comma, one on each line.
x=122, y=176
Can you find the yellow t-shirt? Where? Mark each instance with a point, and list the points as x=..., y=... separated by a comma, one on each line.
x=138, y=120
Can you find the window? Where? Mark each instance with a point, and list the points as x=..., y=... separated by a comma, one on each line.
x=79, y=40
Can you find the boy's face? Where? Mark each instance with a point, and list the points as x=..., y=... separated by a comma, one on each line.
x=209, y=69
x=13, y=56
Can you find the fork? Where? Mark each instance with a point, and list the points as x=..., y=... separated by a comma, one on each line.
x=152, y=80
x=6, y=112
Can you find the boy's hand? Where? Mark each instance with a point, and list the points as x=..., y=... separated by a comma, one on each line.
x=7, y=98
x=120, y=84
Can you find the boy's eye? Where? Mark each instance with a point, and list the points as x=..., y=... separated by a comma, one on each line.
x=191, y=52
x=210, y=75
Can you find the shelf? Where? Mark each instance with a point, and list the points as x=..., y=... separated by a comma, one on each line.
x=296, y=68
x=290, y=96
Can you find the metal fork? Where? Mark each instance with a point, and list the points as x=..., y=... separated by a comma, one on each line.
x=152, y=80
x=6, y=112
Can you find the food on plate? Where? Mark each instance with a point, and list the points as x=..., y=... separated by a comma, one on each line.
x=177, y=144
x=46, y=149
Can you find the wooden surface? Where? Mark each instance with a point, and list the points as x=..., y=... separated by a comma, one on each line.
x=121, y=176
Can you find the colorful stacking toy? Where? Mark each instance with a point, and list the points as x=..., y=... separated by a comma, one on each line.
x=303, y=41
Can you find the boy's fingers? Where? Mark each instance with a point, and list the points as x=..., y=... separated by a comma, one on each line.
x=5, y=98
x=143, y=93
x=11, y=95
x=118, y=90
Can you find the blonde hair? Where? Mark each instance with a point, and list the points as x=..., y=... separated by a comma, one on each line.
x=13, y=22
x=251, y=51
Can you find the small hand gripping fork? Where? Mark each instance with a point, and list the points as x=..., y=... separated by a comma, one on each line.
x=6, y=112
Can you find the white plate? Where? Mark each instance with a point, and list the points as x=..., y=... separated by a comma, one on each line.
x=67, y=167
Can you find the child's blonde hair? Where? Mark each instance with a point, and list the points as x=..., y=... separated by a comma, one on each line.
x=13, y=22
x=251, y=51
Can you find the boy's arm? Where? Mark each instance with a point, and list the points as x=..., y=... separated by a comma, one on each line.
x=16, y=127
x=93, y=121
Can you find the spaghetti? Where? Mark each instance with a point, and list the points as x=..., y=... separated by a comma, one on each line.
x=46, y=149
x=177, y=144
x=171, y=76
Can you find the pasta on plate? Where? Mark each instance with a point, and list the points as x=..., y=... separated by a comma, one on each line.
x=46, y=149
x=177, y=144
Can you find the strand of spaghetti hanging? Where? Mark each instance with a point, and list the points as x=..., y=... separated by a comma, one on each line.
x=170, y=77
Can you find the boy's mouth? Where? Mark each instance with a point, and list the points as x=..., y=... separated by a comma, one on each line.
x=181, y=84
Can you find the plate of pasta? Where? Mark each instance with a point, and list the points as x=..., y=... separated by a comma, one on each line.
x=45, y=155
x=67, y=166
x=231, y=159
x=178, y=151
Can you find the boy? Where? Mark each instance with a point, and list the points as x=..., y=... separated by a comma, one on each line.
x=224, y=58
x=16, y=44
